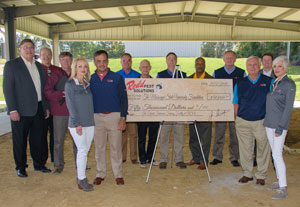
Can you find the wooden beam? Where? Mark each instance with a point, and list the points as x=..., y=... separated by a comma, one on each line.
x=37, y=2
x=255, y=12
x=196, y=5
x=67, y=18
x=285, y=14
x=82, y=5
x=94, y=14
x=148, y=20
x=272, y=3
x=244, y=9
x=124, y=12
x=136, y=10
x=154, y=11
x=224, y=11
x=182, y=10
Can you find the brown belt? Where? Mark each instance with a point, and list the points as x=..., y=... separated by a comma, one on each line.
x=106, y=112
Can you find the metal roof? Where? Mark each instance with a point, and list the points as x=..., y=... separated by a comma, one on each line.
x=73, y=18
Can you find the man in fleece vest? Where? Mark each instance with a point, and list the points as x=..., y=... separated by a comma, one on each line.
x=229, y=71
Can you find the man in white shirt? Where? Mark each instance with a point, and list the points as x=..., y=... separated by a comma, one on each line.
x=23, y=83
x=267, y=61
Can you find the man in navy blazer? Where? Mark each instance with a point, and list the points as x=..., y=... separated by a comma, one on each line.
x=23, y=83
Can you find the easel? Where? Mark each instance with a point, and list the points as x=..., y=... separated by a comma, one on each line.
x=175, y=75
x=158, y=135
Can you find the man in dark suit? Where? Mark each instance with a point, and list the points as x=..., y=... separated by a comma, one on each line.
x=23, y=83
x=267, y=61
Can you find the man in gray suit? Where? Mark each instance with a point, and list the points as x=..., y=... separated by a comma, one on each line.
x=23, y=83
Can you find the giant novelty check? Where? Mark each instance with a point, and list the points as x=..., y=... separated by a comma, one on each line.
x=152, y=100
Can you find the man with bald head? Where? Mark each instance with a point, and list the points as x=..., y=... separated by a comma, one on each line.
x=146, y=156
x=204, y=128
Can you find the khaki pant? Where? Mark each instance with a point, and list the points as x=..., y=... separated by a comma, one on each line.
x=131, y=133
x=247, y=131
x=106, y=126
x=178, y=140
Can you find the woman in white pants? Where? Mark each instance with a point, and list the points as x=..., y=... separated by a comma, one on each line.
x=81, y=120
x=279, y=108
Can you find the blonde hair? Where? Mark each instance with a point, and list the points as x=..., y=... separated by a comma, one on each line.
x=73, y=73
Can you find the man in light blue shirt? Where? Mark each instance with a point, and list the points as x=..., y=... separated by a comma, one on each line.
x=131, y=127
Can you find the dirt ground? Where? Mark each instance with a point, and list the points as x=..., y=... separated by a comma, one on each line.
x=170, y=187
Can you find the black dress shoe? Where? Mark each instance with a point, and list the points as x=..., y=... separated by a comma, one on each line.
x=43, y=169
x=235, y=163
x=22, y=173
x=215, y=162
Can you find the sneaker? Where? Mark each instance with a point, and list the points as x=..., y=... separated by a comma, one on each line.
x=181, y=165
x=84, y=185
x=143, y=165
x=274, y=186
x=280, y=194
x=154, y=162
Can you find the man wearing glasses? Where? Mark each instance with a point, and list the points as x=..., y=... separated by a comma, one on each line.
x=23, y=83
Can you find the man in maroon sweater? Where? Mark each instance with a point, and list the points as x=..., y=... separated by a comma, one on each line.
x=54, y=92
x=46, y=58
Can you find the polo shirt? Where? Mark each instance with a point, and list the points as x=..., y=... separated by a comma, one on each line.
x=109, y=94
x=131, y=74
x=251, y=97
x=201, y=77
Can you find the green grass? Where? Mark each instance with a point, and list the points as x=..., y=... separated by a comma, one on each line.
x=2, y=61
x=1, y=89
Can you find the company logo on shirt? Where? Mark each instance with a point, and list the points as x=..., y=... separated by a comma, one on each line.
x=263, y=84
x=109, y=80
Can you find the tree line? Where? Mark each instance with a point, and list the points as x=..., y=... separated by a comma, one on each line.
x=246, y=49
x=79, y=48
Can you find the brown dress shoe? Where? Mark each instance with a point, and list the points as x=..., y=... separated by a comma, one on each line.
x=98, y=180
x=201, y=166
x=120, y=181
x=260, y=181
x=134, y=162
x=245, y=179
x=192, y=162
